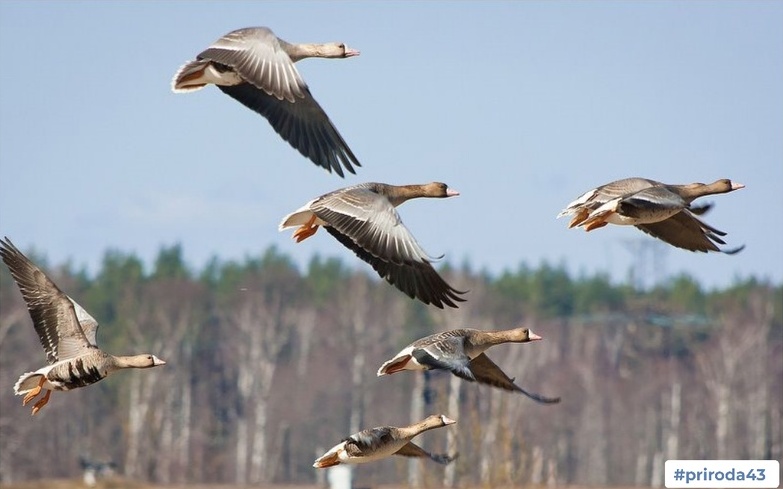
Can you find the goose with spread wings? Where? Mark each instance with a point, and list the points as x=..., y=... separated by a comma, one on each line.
x=67, y=333
x=381, y=442
x=256, y=68
x=661, y=210
x=462, y=352
x=364, y=219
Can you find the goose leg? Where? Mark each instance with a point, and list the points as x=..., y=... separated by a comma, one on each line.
x=580, y=216
x=308, y=229
x=41, y=402
x=34, y=392
x=595, y=225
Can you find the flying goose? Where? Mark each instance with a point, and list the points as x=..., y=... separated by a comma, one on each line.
x=67, y=333
x=256, y=68
x=377, y=443
x=660, y=210
x=462, y=352
x=364, y=219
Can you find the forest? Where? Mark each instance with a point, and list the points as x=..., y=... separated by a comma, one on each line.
x=270, y=364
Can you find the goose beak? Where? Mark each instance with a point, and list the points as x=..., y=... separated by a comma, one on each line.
x=534, y=337
x=446, y=420
x=157, y=361
x=736, y=186
x=450, y=192
x=351, y=52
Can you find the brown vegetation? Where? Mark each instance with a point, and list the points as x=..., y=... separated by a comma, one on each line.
x=269, y=367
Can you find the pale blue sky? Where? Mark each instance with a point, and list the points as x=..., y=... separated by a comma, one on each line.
x=521, y=106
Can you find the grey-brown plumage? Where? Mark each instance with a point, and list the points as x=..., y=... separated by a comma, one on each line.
x=67, y=334
x=661, y=210
x=256, y=68
x=377, y=443
x=461, y=351
x=688, y=232
x=365, y=220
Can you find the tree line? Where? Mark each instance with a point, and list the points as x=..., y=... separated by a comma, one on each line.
x=270, y=365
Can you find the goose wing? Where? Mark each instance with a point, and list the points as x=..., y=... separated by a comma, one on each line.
x=458, y=364
x=258, y=57
x=369, y=225
x=487, y=372
x=449, y=343
x=410, y=449
x=303, y=124
x=595, y=198
x=684, y=230
x=445, y=351
x=368, y=441
x=276, y=90
x=417, y=280
x=650, y=200
x=372, y=222
x=88, y=323
x=55, y=315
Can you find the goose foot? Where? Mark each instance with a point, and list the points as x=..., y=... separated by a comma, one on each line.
x=41, y=402
x=34, y=392
x=595, y=225
x=308, y=229
x=579, y=218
